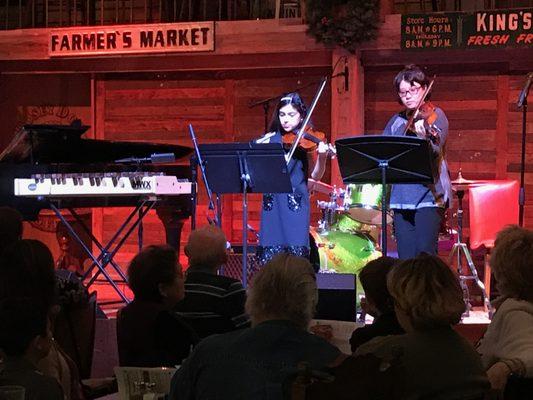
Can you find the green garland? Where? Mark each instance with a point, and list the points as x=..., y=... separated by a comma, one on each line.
x=346, y=23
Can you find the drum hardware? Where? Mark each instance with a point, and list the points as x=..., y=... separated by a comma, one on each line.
x=328, y=210
x=459, y=186
x=319, y=187
x=337, y=217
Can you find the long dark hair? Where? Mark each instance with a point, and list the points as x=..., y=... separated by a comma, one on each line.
x=294, y=100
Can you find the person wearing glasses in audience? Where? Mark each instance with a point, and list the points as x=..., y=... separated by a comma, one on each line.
x=419, y=208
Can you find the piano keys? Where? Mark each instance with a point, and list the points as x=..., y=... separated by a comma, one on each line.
x=60, y=149
x=95, y=185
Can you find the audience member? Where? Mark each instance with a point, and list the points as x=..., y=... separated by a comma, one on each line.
x=438, y=362
x=148, y=333
x=212, y=303
x=26, y=339
x=507, y=347
x=377, y=302
x=27, y=269
x=252, y=363
x=10, y=226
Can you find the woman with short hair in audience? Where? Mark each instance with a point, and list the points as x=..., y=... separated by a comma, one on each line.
x=438, y=363
x=149, y=334
x=507, y=347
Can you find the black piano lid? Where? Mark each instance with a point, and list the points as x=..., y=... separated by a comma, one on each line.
x=63, y=144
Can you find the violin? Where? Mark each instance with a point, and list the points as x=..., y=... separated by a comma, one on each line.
x=309, y=141
x=425, y=111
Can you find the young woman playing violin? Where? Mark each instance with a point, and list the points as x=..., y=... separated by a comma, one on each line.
x=285, y=216
x=419, y=209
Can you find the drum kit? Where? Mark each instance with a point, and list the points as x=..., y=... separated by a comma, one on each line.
x=347, y=235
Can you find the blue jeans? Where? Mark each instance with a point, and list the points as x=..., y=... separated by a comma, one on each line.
x=417, y=231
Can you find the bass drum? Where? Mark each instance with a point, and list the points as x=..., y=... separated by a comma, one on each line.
x=342, y=252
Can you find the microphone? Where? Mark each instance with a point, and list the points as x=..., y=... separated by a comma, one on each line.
x=346, y=76
x=156, y=158
x=523, y=94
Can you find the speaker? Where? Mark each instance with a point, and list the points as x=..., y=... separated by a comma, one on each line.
x=337, y=297
x=233, y=268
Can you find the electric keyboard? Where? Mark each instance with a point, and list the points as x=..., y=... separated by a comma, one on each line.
x=93, y=185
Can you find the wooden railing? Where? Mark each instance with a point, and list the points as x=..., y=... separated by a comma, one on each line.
x=17, y=14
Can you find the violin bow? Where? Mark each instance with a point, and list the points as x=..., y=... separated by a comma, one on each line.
x=289, y=155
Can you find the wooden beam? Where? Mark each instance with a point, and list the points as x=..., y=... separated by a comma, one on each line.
x=480, y=60
x=155, y=63
x=347, y=102
x=229, y=136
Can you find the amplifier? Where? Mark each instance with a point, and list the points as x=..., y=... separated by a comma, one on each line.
x=337, y=297
x=233, y=268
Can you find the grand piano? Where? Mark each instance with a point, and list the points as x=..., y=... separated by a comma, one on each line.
x=58, y=156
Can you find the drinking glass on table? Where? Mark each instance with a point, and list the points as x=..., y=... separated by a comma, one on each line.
x=12, y=392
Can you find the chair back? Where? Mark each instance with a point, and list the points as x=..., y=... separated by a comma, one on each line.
x=492, y=207
x=74, y=330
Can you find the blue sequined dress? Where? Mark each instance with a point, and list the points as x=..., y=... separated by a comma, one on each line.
x=285, y=217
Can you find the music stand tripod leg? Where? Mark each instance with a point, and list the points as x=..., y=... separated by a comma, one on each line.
x=245, y=178
x=383, y=165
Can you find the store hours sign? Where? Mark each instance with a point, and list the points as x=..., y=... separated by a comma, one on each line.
x=477, y=30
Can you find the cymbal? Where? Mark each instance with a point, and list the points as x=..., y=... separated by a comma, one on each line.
x=458, y=187
x=318, y=186
x=463, y=184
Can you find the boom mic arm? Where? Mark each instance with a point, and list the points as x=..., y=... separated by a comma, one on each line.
x=523, y=94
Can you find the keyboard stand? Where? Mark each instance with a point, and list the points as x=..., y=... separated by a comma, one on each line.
x=108, y=252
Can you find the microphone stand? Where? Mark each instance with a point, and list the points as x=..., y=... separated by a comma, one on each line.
x=266, y=102
x=522, y=103
x=522, y=195
x=197, y=161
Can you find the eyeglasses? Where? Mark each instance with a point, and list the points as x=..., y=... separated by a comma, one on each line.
x=413, y=90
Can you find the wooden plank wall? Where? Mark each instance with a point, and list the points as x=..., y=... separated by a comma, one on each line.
x=159, y=110
x=514, y=146
x=485, y=125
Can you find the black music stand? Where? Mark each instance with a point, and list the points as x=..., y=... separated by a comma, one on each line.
x=385, y=159
x=246, y=168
